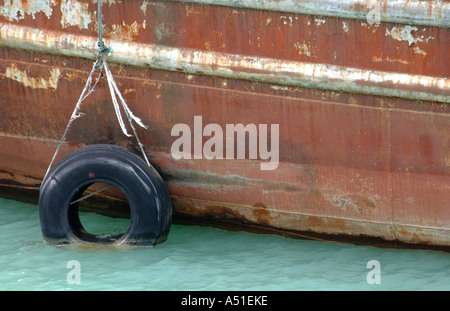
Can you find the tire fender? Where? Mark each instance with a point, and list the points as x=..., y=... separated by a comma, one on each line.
x=147, y=194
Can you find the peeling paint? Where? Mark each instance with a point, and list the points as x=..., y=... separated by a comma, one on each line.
x=418, y=12
x=402, y=34
x=287, y=20
x=193, y=10
x=344, y=26
x=340, y=199
x=303, y=49
x=126, y=32
x=144, y=6
x=417, y=50
x=390, y=60
x=342, y=203
x=373, y=27
x=14, y=73
x=74, y=13
x=127, y=91
x=16, y=10
x=319, y=21
x=110, y=2
x=282, y=88
x=236, y=66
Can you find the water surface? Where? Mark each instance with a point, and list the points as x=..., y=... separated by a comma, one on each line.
x=203, y=258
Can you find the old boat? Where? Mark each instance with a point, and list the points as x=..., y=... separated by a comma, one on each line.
x=359, y=91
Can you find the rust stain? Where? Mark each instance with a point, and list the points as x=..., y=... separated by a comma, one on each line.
x=217, y=212
x=261, y=214
x=224, y=213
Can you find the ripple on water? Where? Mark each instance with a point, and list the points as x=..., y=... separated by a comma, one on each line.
x=202, y=258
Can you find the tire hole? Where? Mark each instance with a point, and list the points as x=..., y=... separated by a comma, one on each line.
x=102, y=214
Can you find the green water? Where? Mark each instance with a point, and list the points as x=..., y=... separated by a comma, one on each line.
x=202, y=258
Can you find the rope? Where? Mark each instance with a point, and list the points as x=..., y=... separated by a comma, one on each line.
x=88, y=89
x=113, y=89
x=101, y=45
x=99, y=65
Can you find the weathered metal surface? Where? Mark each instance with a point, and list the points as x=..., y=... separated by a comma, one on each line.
x=362, y=110
x=325, y=76
x=276, y=35
x=427, y=13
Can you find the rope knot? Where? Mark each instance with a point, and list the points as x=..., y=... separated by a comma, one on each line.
x=102, y=48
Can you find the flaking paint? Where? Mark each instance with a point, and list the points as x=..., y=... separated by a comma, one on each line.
x=253, y=68
x=16, y=10
x=21, y=76
x=431, y=13
x=75, y=13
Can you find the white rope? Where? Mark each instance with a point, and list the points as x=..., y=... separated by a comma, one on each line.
x=113, y=89
x=115, y=92
x=88, y=89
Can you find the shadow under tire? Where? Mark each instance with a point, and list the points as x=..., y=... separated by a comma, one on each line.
x=146, y=192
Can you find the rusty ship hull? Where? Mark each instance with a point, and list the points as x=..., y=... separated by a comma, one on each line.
x=362, y=106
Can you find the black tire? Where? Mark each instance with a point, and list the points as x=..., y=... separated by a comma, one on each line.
x=147, y=194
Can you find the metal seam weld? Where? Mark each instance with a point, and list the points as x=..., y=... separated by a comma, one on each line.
x=266, y=70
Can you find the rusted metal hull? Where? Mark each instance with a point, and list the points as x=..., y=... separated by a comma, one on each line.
x=363, y=110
